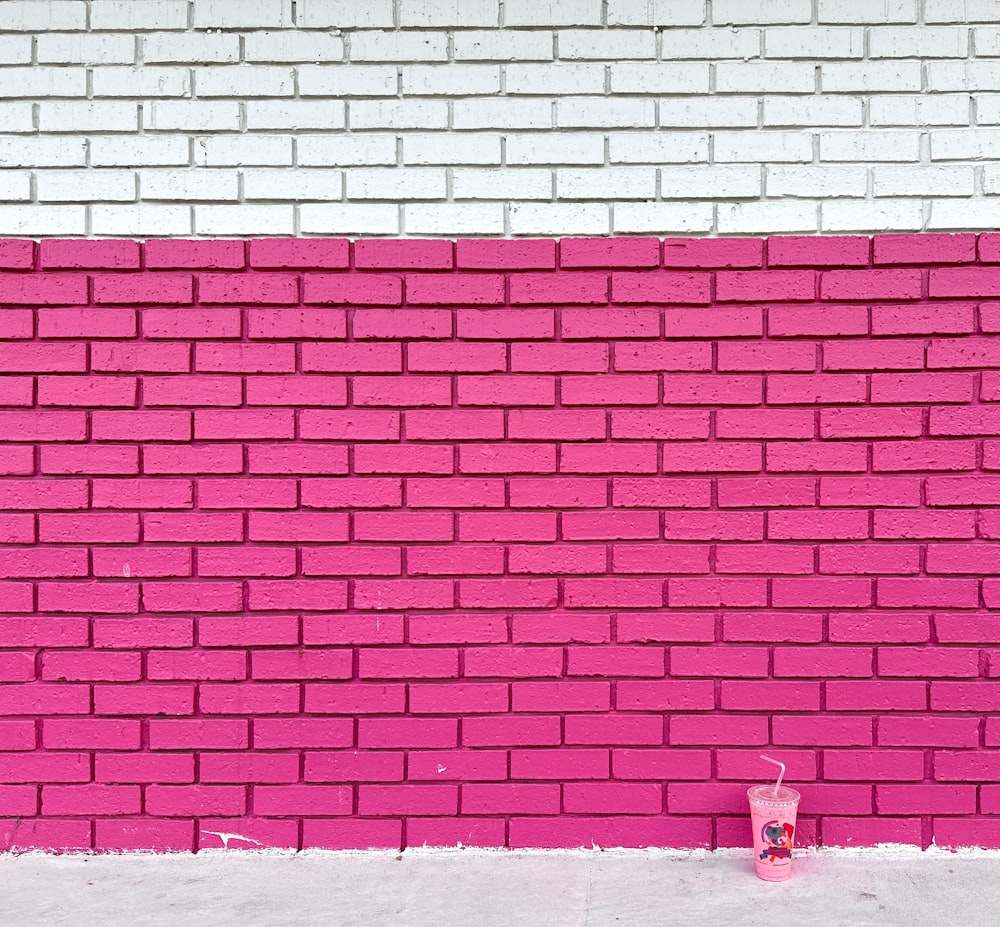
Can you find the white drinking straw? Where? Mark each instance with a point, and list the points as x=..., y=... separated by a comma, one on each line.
x=781, y=775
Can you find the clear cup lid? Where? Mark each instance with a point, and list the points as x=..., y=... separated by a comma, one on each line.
x=765, y=795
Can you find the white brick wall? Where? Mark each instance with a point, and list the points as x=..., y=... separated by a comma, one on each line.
x=481, y=117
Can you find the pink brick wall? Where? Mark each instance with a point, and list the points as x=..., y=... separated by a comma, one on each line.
x=512, y=543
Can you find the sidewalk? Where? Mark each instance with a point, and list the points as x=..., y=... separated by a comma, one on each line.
x=474, y=888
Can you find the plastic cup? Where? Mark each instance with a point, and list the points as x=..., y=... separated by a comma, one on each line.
x=772, y=817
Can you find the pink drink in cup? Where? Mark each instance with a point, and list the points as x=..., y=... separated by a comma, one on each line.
x=772, y=817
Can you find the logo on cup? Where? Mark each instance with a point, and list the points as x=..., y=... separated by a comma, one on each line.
x=777, y=839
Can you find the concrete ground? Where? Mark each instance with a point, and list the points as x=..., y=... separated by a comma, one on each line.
x=469, y=888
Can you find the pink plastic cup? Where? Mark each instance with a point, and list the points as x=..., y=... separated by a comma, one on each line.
x=772, y=817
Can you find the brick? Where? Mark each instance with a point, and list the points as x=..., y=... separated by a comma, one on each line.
x=605, y=252
x=864, y=558
x=458, y=425
x=511, y=730
x=811, y=593
x=870, y=423
x=632, y=558
x=377, y=594
x=918, y=799
x=756, y=286
x=139, y=632
x=186, y=323
x=18, y=323
x=366, y=767
x=407, y=732
x=962, y=421
x=153, y=358
x=208, y=255
x=514, y=662
x=771, y=492
x=220, y=631
x=766, y=356
x=963, y=281
x=248, y=698
x=43, y=290
x=663, y=287
x=362, y=561
x=564, y=628
x=308, y=595
x=762, y=627
x=184, y=800
x=882, y=355
x=832, y=525
x=253, y=288
x=786, y=457
x=603, y=593
x=695, y=252
x=740, y=526
x=869, y=491
x=916, y=387
x=87, y=255
x=244, y=358
x=188, y=527
x=142, y=289
x=182, y=597
x=141, y=700
x=613, y=457
x=294, y=253
x=293, y=458
x=270, y=733
x=871, y=284
x=505, y=255
x=356, y=698
x=954, y=524
x=749, y=730
x=343, y=834
x=256, y=832
x=640, y=356
x=559, y=424
x=827, y=251
x=958, y=832
x=765, y=423
x=473, y=358
x=153, y=561
x=749, y=558
x=945, y=593
x=713, y=457
x=16, y=254
x=560, y=696
x=557, y=358
x=242, y=493
x=422, y=255
x=468, y=289
x=500, y=324
x=931, y=319
x=808, y=321
x=507, y=458
x=441, y=629
x=715, y=323
x=284, y=526
x=80, y=666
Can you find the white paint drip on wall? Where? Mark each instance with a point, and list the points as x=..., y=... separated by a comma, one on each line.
x=225, y=838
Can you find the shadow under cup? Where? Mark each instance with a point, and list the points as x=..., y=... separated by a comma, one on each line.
x=772, y=818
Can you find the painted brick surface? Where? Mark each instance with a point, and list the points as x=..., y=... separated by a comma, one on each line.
x=208, y=118
x=511, y=543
